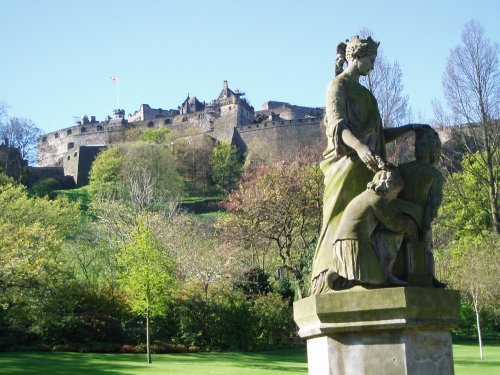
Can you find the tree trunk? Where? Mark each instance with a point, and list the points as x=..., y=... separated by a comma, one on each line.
x=148, y=351
x=478, y=325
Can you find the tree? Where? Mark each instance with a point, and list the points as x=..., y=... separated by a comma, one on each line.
x=142, y=174
x=3, y=110
x=32, y=230
x=280, y=207
x=149, y=178
x=471, y=84
x=473, y=268
x=105, y=172
x=226, y=166
x=465, y=210
x=386, y=84
x=23, y=134
x=156, y=136
x=201, y=256
x=147, y=275
x=385, y=81
x=193, y=160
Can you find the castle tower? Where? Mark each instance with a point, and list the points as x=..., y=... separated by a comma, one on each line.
x=234, y=112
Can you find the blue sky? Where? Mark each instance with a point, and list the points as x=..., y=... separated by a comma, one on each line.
x=57, y=56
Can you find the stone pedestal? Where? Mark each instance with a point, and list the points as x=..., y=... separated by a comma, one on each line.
x=390, y=331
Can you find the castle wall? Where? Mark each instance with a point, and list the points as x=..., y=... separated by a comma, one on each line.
x=289, y=112
x=145, y=112
x=77, y=163
x=281, y=139
x=37, y=174
x=52, y=146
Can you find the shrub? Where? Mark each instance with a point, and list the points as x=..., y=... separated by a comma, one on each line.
x=273, y=324
x=45, y=187
x=220, y=322
x=253, y=281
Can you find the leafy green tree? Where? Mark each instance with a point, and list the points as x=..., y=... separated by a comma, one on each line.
x=150, y=180
x=226, y=166
x=471, y=87
x=466, y=208
x=156, y=136
x=147, y=275
x=105, y=173
x=139, y=173
x=193, y=161
x=32, y=230
x=472, y=266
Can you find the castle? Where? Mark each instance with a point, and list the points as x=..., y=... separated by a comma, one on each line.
x=274, y=132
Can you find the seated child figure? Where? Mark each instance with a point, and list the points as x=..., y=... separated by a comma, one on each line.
x=423, y=186
x=355, y=260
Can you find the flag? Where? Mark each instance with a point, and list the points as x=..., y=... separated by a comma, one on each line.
x=115, y=80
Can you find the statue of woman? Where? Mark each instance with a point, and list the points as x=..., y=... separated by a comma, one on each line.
x=355, y=151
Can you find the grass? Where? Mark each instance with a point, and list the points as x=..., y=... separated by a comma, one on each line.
x=467, y=362
x=288, y=362
x=81, y=195
x=198, y=199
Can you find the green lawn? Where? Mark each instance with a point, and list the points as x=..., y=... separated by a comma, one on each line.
x=80, y=194
x=276, y=362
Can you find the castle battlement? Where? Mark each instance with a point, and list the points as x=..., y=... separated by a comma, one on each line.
x=229, y=117
x=279, y=123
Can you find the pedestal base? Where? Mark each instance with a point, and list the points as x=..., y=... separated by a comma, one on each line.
x=392, y=331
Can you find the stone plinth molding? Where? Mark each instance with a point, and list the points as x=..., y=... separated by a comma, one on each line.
x=391, y=331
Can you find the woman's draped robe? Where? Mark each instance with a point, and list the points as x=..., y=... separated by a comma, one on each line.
x=349, y=106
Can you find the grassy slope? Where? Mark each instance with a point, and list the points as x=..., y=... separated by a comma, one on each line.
x=80, y=194
x=284, y=361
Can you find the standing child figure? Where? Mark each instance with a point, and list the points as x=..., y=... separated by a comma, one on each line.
x=423, y=186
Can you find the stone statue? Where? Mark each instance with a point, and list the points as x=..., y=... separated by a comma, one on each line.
x=375, y=240
x=355, y=151
x=355, y=261
x=340, y=59
x=424, y=187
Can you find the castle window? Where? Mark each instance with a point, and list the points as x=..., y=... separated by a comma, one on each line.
x=56, y=135
x=68, y=132
x=69, y=157
x=150, y=124
x=167, y=121
x=75, y=154
x=99, y=128
x=184, y=119
x=44, y=139
x=71, y=145
x=229, y=107
x=82, y=129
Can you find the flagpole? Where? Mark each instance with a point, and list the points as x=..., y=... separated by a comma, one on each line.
x=116, y=81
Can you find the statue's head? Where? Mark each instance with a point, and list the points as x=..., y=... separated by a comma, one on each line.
x=386, y=182
x=357, y=48
x=427, y=145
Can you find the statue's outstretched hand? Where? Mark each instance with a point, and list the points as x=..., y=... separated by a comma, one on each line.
x=370, y=159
